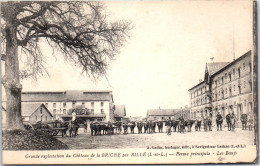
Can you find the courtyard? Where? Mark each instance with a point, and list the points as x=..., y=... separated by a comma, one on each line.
x=154, y=140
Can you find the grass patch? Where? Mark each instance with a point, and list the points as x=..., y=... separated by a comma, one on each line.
x=30, y=140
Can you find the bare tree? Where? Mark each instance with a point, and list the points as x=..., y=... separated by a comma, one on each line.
x=80, y=30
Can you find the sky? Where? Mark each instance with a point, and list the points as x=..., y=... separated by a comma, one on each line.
x=170, y=44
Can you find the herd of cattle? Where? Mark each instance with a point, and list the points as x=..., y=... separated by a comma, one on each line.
x=176, y=125
x=106, y=128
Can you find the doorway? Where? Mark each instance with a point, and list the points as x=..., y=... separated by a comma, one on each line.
x=239, y=111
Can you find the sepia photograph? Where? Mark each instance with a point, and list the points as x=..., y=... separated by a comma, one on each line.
x=129, y=82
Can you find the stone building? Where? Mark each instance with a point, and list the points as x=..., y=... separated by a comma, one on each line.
x=232, y=87
x=164, y=114
x=227, y=87
x=99, y=103
x=35, y=112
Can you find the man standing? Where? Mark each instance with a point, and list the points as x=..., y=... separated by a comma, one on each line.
x=219, y=121
x=168, y=124
x=228, y=120
x=73, y=116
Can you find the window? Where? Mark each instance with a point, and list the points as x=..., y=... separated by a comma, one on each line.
x=239, y=89
x=73, y=104
x=64, y=111
x=238, y=70
x=83, y=105
x=41, y=110
x=229, y=76
x=54, y=105
x=54, y=111
x=92, y=111
x=64, y=104
x=99, y=119
x=244, y=65
x=46, y=105
x=92, y=104
x=102, y=104
x=230, y=91
x=102, y=111
x=222, y=80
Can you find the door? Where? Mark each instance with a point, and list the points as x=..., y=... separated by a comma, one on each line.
x=239, y=111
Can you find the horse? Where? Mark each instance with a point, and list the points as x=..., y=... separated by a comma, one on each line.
x=228, y=120
x=244, y=121
x=139, y=127
x=160, y=126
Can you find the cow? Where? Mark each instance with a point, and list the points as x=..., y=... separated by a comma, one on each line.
x=139, y=127
x=182, y=126
x=117, y=126
x=94, y=128
x=244, y=121
x=189, y=124
x=125, y=127
x=160, y=126
x=175, y=125
x=197, y=125
x=132, y=127
x=152, y=126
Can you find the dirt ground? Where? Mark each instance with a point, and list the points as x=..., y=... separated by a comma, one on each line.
x=86, y=141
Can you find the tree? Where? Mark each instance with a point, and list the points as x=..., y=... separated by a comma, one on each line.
x=80, y=30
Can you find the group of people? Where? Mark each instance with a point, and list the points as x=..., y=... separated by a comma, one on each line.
x=231, y=121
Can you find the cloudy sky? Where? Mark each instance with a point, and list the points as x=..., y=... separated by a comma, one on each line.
x=171, y=43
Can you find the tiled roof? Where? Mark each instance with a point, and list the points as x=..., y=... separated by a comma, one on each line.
x=29, y=108
x=120, y=111
x=215, y=66
x=75, y=95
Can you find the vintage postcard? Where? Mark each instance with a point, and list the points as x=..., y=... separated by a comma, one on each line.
x=129, y=82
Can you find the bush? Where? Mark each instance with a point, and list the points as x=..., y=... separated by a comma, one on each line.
x=30, y=140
